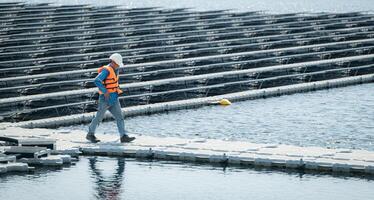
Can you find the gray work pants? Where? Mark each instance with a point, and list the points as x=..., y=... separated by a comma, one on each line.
x=115, y=110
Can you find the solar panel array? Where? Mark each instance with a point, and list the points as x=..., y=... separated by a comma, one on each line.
x=49, y=54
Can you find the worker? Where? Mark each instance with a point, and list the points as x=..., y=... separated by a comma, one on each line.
x=107, y=82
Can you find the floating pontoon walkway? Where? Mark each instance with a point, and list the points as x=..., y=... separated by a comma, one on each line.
x=175, y=58
x=232, y=153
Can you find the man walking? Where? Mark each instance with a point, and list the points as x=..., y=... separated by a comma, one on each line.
x=107, y=82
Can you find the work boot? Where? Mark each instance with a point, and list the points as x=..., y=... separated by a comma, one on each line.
x=92, y=138
x=126, y=138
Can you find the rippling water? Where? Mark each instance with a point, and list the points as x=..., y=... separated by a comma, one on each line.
x=117, y=178
x=337, y=118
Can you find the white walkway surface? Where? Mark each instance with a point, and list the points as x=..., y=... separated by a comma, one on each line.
x=207, y=150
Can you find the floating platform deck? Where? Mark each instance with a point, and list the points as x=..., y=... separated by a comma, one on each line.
x=32, y=142
x=209, y=151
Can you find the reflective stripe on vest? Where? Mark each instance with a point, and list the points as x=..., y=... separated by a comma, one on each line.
x=111, y=81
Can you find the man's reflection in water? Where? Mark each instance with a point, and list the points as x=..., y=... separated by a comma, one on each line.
x=107, y=187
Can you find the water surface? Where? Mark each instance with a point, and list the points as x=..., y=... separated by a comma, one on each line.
x=335, y=118
x=119, y=178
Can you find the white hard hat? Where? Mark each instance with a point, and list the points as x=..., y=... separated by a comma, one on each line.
x=117, y=58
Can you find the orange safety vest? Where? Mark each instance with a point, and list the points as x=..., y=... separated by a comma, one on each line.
x=111, y=81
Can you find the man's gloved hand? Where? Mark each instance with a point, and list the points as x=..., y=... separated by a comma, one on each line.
x=106, y=96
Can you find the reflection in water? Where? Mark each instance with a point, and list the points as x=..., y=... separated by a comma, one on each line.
x=106, y=178
x=107, y=187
